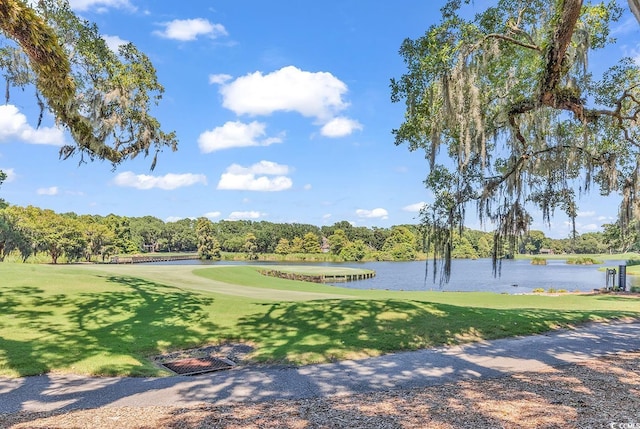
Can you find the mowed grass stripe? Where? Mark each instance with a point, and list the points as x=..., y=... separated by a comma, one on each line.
x=242, y=281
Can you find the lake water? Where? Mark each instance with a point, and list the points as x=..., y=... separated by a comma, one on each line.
x=517, y=276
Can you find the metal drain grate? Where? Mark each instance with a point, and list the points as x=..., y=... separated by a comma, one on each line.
x=193, y=366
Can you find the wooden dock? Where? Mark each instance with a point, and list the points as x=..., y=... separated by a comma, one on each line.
x=140, y=259
x=320, y=278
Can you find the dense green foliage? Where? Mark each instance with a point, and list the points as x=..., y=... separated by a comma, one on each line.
x=31, y=232
x=512, y=120
x=103, y=98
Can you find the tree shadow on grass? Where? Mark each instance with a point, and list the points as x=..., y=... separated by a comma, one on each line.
x=329, y=330
x=113, y=329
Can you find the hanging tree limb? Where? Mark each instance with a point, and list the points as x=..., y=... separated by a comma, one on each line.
x=634, y=5
x=509, y=96
x=108, y=116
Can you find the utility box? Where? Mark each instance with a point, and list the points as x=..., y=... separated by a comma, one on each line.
x=622, y=277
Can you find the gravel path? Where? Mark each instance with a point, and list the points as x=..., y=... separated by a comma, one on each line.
x=597, y=393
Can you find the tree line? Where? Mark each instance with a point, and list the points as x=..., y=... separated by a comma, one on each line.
x=30, y=231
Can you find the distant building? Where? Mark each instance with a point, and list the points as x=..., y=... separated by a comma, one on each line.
x=325, y=247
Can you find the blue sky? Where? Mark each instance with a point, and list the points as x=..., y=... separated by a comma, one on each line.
x=282, y=112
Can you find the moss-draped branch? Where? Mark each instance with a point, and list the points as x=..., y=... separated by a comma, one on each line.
x=509, y=97
x=65, y=52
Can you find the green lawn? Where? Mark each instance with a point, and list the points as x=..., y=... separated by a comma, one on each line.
x=599, y=256
x=109, y=319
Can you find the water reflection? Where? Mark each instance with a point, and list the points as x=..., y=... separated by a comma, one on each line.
x=517, y=276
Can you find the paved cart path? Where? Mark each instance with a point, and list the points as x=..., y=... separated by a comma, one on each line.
x=394, y=371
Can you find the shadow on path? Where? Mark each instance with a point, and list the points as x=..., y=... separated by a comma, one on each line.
x=486, y=360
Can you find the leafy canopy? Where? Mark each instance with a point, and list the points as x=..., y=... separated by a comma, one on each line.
x=102, y=97
x=511, y=118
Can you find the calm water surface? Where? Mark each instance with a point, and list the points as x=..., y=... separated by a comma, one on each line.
x=517, y=276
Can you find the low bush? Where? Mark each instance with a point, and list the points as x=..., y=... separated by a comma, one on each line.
x=584, y=260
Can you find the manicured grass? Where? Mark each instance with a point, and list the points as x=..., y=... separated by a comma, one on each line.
x=598, y=256
x=108, y=320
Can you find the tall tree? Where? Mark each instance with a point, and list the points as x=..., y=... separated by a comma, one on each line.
x=208, y=245
x=9, y=232
x=338, y=241
x=283, y=247
x=97, y=236
x=103, y=98
x=509, y=98
x=250, y=246
x=147, y=230
x=311, y=243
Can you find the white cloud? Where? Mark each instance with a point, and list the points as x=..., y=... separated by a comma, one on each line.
x=212, y=215
x=326, y=216
x=167, y=182
x=173, y=219
x=373, y=214
x=582, y=228
x=415, y=208
x=340, y=127
x=100, y=5
x=307, y=187
x=219, y=78
x=53, y=190
x=11, y=174
x=316, y=95
x=114, y=42
x=235, y=134
x=189, y=29
x=248, y=182
x=262, y=167
x=13, y=125
x=238, y=178
x=586, y=214
x=245, y=215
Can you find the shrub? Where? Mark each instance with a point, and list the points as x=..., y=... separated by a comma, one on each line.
x=538, y=261
x=538, y=290
x=584, y=260
x=551, y=290
x=635, y=289
x=631, y=262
